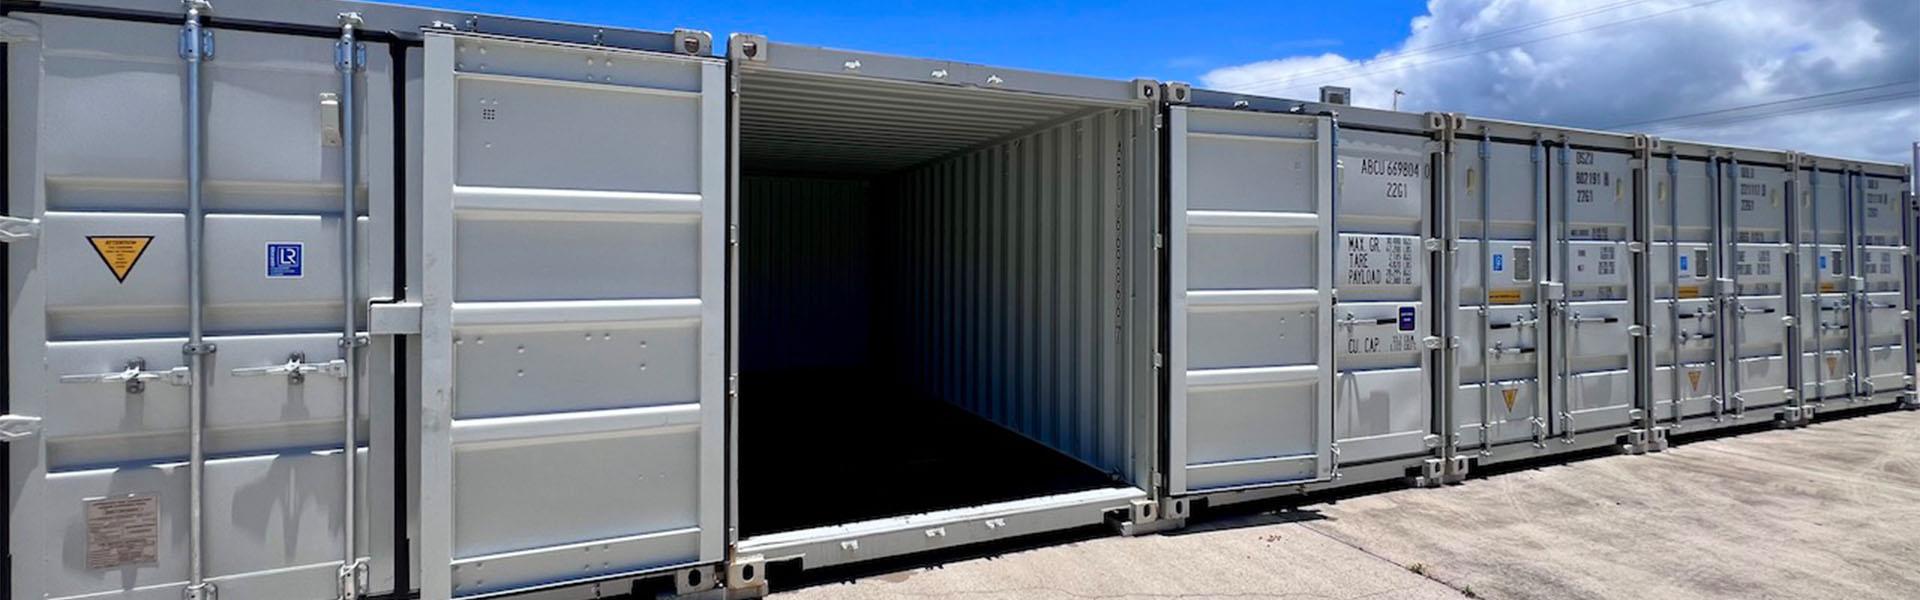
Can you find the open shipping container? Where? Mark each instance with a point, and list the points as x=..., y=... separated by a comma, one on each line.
x=944, y=287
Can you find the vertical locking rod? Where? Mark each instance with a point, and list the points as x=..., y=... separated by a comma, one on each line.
x=1673, y=279
x=349, y=57
x=196, y=46
x=1486, y=292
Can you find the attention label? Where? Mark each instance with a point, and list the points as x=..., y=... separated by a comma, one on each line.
x=123, y=530
x=1508, y=395
x=1506, y=296
x=120, y=252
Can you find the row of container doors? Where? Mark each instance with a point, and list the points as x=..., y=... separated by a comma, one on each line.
x=1301, y=252
x=571, y=339
x=565, y=357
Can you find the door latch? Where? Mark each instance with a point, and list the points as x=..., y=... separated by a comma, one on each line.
x=296, y=369
x=13, y=229
x=18, y=427
x=135, y=376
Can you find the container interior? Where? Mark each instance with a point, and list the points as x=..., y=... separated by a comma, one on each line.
x=930, y=310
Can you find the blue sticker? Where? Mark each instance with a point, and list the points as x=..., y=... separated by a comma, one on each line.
x=1499, y=262
x=285, y=260
x=1823, y=262
x=1683, y=262
x=1406, y=318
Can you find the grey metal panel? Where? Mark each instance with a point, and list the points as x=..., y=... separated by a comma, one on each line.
x=1251, y=275
x=1005, y=255
x=793, y=120
x=958, y=75
x=401, y=21
x=96, y=121
x=573, y=324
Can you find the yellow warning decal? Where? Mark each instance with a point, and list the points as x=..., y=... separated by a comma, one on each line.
x=1689, y=291
x=1693, y=377
x=1508, y=394
x=120, y=252
x=1833, y=366
x=1827, y=287
x=1507, y=296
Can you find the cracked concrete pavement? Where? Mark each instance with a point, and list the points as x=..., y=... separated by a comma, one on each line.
x=1831, y=511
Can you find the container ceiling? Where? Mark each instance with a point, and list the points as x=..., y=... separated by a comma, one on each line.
x=806, y=122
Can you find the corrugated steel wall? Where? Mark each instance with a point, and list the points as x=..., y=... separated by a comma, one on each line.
x=808, y=274
x=1005, y=266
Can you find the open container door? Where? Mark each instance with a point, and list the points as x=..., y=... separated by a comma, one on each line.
x=1250, y=280
x=572, y=325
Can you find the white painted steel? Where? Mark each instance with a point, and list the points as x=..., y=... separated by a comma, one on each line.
x=573, y=323
x=1497, y=196
x=1251, y=271
x=1016, y=285
x=97, y=147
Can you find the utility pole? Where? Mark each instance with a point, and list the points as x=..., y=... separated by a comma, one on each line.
x=1397, y=93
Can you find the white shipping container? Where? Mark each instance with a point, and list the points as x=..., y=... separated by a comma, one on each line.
x=324, y=299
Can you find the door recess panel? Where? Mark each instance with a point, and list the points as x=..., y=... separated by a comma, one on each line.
x=574, y=313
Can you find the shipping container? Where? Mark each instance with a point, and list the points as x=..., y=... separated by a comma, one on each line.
x=1299, y=327
x=945, y=287
x=593, y=310
x=218, y=251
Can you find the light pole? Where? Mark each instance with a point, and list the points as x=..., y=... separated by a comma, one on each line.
x=1397, y=93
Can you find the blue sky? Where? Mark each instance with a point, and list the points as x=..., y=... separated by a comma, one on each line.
x=1111, y=38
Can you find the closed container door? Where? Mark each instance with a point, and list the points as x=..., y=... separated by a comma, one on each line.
x=98, y=313
x=1755, y=289
x=1685, y=323
x=1881, y=293
x=1251, y=276
x=1499, y=195
x=573, y=314
x=1592, y=213
x=1826, y=315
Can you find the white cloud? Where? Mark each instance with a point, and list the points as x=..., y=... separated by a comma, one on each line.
x=1622, y=63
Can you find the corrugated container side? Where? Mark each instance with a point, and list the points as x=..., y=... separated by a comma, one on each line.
x=807, y=274
x=1008, y=260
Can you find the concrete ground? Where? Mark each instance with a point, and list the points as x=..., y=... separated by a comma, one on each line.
x=1831, y=511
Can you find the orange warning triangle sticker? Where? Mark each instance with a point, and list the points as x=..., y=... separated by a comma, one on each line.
x=1833, y=366
x=1694, y=378
x=120, y=252
x=1508, y=395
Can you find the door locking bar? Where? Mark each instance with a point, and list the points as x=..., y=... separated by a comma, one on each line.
x=296, y=369
x=135, y=376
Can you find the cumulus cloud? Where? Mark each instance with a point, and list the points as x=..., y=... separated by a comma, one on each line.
x=1833, y=77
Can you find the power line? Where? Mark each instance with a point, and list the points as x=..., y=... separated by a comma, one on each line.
x=1513, y=45
x=1792, y=111
x=1758, y=105
x=1413, y=52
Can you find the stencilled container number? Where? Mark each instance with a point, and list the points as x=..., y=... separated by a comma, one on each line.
x=1588, y=179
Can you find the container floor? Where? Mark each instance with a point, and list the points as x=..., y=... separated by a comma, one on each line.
x=829, y=447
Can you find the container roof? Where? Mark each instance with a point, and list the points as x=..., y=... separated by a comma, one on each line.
x=811, y=122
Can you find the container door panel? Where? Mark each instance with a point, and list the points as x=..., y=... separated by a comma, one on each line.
x=1884, y=301
x=1251, y=272
x=1498, y=268
x=573, y=315
x=98, y=149
x=1592, y=219
x=1756, y=274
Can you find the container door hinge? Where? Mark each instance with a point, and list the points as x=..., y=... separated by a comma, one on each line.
x=14, y=229
x=393, y=318
x=14, y=428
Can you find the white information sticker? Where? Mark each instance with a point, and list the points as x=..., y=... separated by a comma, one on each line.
x=122, y=531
